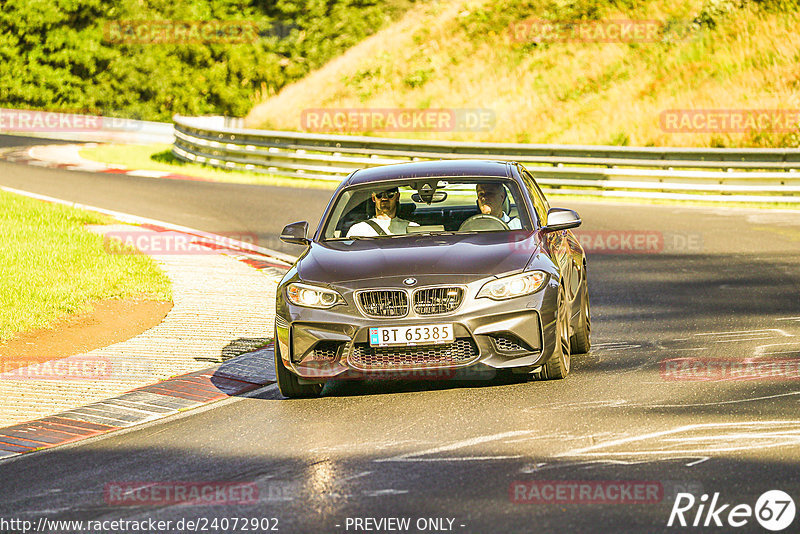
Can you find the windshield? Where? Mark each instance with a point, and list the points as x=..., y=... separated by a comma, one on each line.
x=430, y=206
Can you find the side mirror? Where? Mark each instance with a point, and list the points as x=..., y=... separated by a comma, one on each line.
x=562, y=219
x=295, y=233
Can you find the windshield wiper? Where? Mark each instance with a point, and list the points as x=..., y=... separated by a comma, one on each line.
x=434, y=232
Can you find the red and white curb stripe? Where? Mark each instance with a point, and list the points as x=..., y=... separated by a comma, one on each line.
x=66, y=157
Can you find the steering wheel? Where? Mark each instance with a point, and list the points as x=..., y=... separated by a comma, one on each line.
x=483, y=222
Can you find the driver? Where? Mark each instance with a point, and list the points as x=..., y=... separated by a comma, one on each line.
x=490, y=201
x=385, y=221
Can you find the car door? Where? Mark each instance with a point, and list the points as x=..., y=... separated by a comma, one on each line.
x=562, y=245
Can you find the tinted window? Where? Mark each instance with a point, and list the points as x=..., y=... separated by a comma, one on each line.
x=537, y=197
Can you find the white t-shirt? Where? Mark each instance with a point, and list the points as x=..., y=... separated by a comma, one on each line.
x=390, y=226
x=513, y=222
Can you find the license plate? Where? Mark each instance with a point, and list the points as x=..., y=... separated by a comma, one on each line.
x=425, y=334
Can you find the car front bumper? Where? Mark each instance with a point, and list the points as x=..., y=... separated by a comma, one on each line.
x=318, y=345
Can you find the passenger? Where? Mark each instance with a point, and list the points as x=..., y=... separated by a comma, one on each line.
x=385, y=221
x=491, y=198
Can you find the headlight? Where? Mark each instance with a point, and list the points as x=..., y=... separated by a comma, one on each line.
x=513, y=286
x=312, y=296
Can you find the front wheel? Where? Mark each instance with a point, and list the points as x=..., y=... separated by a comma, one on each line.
x=288, y=382
x=558, y=367
x=581, y=340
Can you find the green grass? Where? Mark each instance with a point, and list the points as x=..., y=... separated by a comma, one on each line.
x=52, y=266
x=158, y=157
x=462, y=54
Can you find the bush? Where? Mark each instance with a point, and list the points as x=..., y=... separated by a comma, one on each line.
x=60, y=54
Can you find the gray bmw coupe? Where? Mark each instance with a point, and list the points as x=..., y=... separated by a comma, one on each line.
x=432, y=267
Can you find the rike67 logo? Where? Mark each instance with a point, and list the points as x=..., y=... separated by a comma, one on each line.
x=774, y=510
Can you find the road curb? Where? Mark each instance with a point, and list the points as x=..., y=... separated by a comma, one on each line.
x=138, y=406
x=234, y=377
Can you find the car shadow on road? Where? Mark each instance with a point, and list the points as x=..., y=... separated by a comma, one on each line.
x=423, y=380
x=246, y=364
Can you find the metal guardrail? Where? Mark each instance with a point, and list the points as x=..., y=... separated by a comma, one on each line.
x=748, y=175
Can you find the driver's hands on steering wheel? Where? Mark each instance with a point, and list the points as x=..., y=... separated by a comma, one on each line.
x=483, y=222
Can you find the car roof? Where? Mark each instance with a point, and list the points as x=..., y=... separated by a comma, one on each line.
x=428, y=169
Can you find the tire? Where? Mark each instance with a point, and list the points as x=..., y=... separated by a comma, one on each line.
x=580, y=342
x=288, y=382
x=558, y=367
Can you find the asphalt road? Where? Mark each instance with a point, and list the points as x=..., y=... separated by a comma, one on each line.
x=716, y=285
x=255, y=214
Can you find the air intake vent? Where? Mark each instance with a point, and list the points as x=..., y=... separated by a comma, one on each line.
x=326, y=350
x=384, y=303
x=505, y=343
x=463, y=351
x=431, y=301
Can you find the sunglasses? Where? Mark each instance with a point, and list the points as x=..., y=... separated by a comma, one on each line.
x=387, y=195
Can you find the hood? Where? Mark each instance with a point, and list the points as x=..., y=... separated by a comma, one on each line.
x=464, y=257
